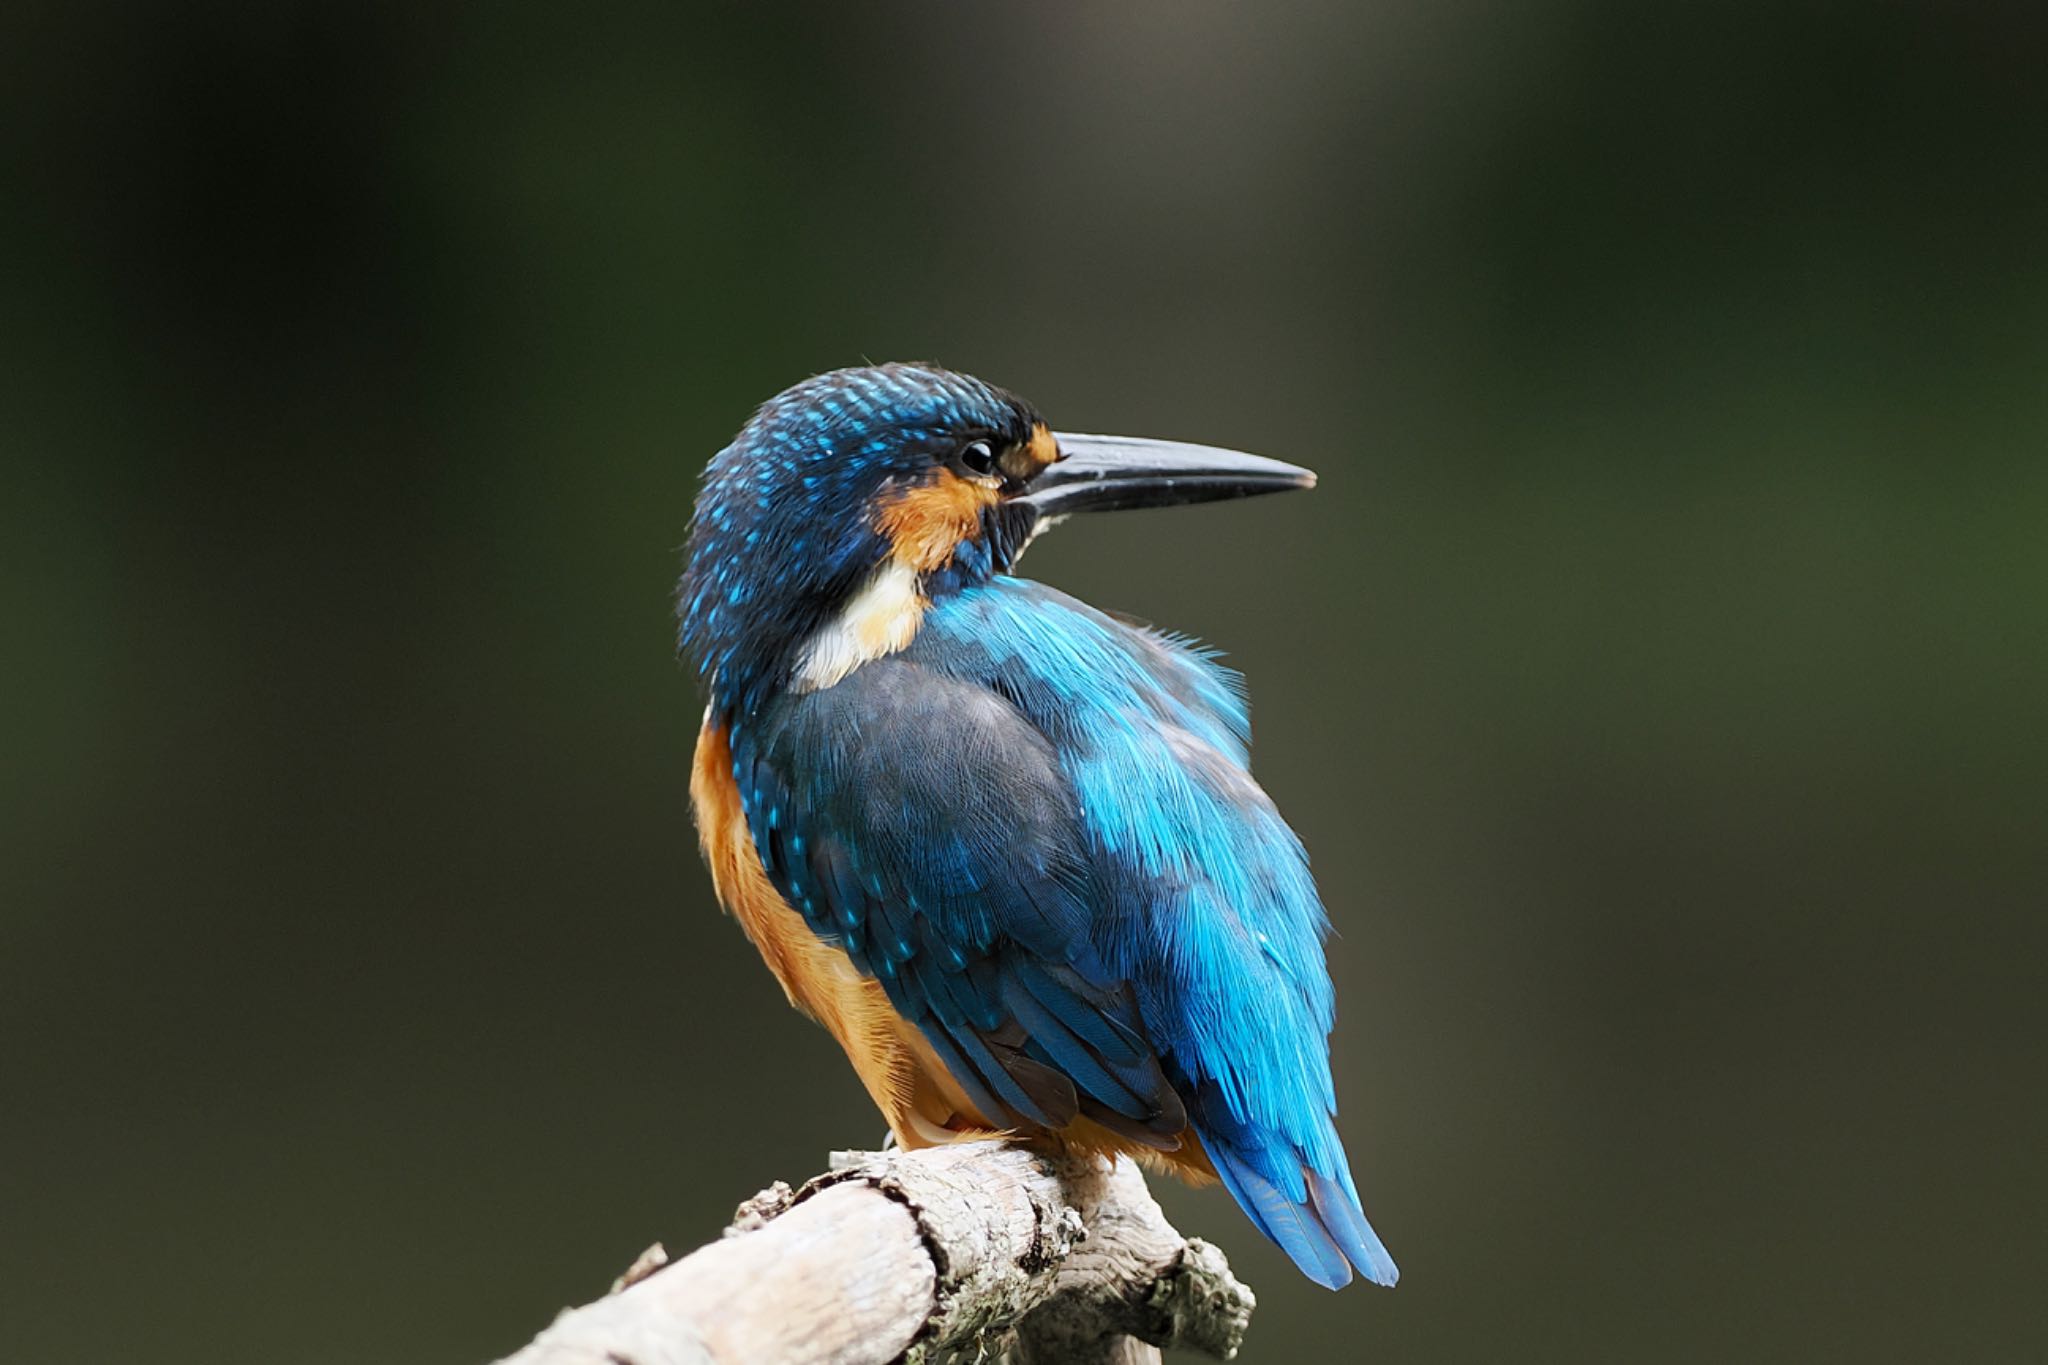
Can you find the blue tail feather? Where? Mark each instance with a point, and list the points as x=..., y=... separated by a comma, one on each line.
x=1324, y=1233
x=1346, y=1224
x=1287, y=1222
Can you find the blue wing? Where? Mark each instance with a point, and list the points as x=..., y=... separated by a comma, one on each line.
x=1037, y=828
x=924, y=825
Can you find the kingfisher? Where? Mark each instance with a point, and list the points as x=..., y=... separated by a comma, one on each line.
x=1007, y=848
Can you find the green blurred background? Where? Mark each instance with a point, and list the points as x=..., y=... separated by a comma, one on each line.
x=1656, y=676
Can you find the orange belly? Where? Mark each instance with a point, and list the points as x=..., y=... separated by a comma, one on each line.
x=920, y=1101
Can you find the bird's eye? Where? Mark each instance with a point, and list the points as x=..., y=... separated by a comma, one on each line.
x=978, y=457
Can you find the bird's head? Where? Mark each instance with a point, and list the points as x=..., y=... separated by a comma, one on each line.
x=851, y=501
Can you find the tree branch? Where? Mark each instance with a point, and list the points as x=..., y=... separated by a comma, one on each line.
x=952, y=1253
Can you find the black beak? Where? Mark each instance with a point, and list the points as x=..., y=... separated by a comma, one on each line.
x=1110, y=473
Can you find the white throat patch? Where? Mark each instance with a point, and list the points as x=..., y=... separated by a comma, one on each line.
x=880, y=619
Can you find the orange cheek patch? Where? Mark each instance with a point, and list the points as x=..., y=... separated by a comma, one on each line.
x=1043, y=449
x=928, y=522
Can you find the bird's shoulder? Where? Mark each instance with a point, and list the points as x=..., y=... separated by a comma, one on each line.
x=1069, y=667
x=901, y=794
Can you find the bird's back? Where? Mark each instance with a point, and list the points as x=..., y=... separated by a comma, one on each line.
x=1036, y=829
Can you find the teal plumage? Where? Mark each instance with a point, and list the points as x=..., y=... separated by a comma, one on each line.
x=1034, y=825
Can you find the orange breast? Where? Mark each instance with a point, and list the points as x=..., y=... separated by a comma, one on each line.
x=893, y=1061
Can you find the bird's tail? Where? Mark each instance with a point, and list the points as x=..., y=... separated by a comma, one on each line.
x=1314, y=1217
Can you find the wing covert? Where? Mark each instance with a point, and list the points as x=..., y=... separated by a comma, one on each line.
x=924, y=825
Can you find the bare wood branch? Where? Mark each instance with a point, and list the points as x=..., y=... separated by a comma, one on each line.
x=964, y=1253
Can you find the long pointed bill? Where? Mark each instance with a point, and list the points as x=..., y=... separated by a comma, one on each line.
x=1110, y=473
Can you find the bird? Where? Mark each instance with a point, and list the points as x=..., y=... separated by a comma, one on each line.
x=1005, y=847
